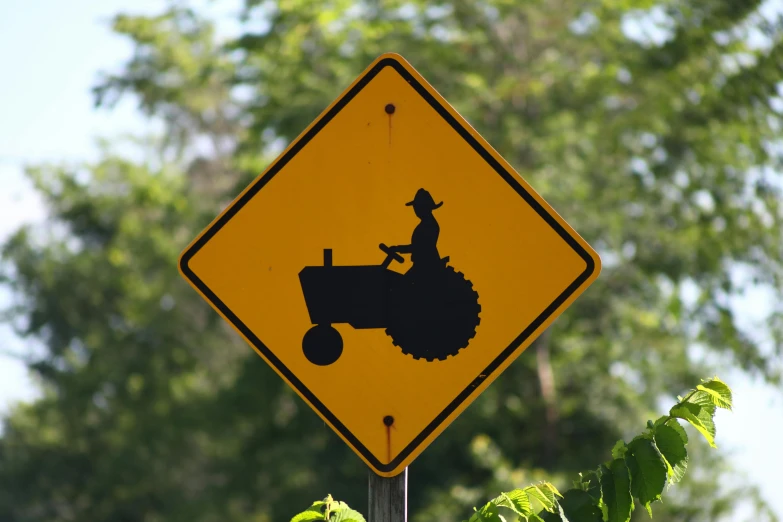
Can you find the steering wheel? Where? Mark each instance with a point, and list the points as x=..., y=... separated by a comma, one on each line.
x=391, y=253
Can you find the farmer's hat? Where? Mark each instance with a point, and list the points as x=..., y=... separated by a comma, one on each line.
x=423, y=200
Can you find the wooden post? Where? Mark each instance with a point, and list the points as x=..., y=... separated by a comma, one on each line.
x=388, y=498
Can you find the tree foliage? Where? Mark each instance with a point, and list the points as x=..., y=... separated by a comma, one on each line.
x=637, y=470
x=653, y=126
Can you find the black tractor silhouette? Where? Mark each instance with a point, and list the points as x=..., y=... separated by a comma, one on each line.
x=431, y=312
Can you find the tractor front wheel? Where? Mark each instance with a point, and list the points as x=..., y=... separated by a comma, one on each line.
x=322, y=345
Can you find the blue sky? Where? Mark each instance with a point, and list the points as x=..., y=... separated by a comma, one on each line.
x=51, y=52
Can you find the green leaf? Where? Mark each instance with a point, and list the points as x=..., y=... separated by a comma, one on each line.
x=346, y=514
x=616, y=488
x=593, y=481
x=487, y=513
x=337, y=511
x=308, y=516
x=578, y=506
x=551, y=487
x=312, y=514
x=672, y=446
x=700, y=417
x=675, y=425
x=661, y=420
x=543, y=494
x=535, y=518
x=648, y=471
x=619, y=449
x=556, y=515
x=717, y=392
x=561, y=513
x=516, y=500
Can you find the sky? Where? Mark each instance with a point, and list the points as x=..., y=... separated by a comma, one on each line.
x=56, y=49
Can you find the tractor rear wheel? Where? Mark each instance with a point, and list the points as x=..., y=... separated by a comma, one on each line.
x=434, y=318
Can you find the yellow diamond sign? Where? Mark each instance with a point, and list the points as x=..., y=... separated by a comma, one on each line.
x=389, y=265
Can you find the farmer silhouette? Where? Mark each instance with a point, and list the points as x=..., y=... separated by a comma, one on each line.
x=424, y=242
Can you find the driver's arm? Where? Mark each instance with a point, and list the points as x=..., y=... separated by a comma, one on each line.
x=403, y=249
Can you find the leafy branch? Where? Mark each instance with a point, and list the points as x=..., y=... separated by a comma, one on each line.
x=331, y=510
x=639, y=469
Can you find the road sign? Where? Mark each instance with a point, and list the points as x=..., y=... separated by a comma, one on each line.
x=389, y=265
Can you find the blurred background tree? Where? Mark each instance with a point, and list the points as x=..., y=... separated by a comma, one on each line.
x=653, y=127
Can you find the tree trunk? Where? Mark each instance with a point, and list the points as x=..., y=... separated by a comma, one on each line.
x=546, y=379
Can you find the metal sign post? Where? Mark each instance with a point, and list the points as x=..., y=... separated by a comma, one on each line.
x=388, y=498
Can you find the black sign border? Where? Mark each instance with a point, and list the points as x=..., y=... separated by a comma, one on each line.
x=277, y=166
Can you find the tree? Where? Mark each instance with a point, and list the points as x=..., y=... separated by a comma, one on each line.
x=658, y=144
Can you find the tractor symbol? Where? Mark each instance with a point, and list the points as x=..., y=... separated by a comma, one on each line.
x=431, y=312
